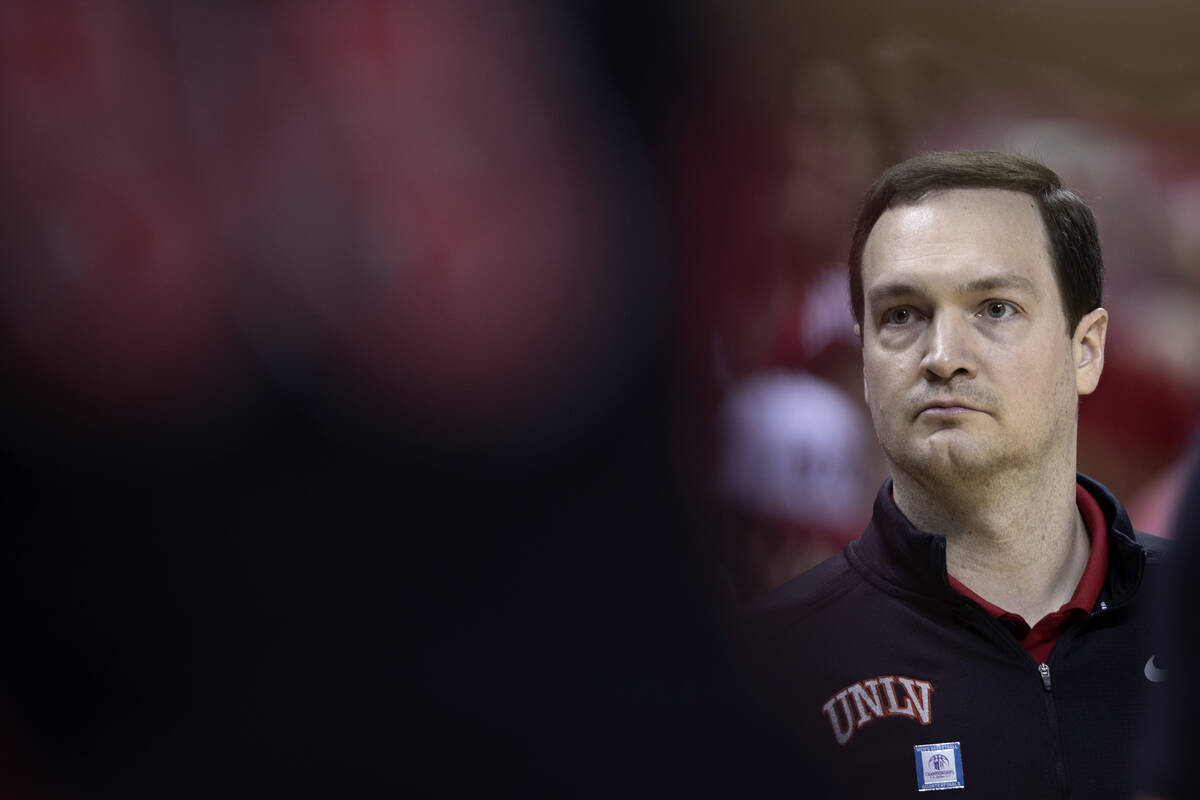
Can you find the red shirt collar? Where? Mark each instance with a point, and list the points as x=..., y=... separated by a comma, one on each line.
x=1092, y=580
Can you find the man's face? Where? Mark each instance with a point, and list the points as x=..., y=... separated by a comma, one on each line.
x=967, y=366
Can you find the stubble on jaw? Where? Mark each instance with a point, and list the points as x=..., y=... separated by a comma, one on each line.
x=967, y=463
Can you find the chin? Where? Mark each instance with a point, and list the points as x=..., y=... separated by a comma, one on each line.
x=948, y=461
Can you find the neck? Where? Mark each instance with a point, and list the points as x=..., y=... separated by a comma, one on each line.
x=1017, y=540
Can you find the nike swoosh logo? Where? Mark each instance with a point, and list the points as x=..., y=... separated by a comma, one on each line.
x=1153, y=673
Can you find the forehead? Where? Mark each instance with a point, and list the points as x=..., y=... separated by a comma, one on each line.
x=958, y=234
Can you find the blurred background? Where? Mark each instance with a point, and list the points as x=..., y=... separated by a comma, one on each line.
x=398, y=394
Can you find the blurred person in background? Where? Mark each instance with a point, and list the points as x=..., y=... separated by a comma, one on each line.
x=793, y=475
x=1167, y=345
x=987, y=631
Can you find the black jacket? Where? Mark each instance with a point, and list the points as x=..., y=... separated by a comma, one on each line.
x=873, y=648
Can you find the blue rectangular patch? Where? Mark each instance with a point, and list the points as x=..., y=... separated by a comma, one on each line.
x=939, y=766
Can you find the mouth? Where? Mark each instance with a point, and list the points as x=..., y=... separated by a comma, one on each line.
x=947, y=408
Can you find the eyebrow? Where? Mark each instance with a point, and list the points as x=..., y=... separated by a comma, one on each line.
x=1006, y=280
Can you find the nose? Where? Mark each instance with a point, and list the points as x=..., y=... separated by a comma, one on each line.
x=948, y=349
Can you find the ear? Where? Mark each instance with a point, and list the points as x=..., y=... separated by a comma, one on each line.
x=1087, y=349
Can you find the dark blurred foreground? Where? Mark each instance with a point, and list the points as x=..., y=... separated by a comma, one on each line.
x=340, y=425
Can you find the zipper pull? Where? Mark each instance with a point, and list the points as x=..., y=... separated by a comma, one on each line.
x=1044, y=671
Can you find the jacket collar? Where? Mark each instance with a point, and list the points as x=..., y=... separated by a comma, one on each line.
x=1126, y=556
x=904, y=559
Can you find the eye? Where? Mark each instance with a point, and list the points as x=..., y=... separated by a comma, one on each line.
x=998, y=309
x=898, y=316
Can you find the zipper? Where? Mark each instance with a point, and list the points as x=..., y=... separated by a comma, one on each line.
x=1043, y=670
x=1060, y=768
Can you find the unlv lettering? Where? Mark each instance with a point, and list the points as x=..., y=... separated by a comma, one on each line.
x=861, y=702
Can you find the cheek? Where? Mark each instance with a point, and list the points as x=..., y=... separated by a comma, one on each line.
x=871, y=392
x=1044, y=387
x=881, y=374
x=879, y=391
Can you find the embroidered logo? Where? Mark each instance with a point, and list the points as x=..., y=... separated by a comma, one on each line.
x=866, y=700
x=1152, y=671
x=939, y=766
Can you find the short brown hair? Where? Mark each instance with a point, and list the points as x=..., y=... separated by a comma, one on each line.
x=1070, y=226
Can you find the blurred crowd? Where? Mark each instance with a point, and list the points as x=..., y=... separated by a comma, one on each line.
x=373, y=364
x=410, y=204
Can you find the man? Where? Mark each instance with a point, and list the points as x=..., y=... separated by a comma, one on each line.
x=984, y=632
